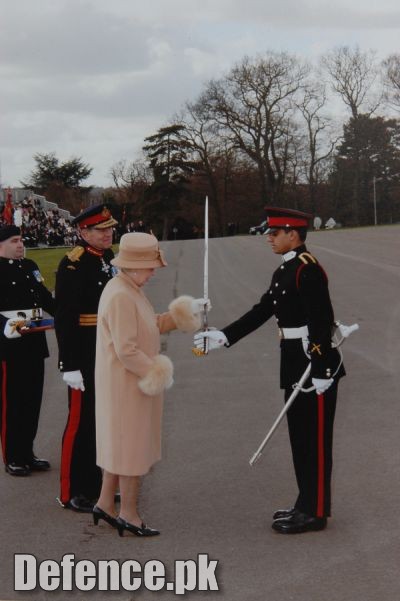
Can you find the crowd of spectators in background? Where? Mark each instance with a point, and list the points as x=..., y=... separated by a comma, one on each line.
x=46, y=227
x=40, y=227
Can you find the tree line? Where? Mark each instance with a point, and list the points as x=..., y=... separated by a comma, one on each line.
x=273, y=130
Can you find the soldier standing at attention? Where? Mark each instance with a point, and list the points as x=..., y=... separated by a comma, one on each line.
x=23, y=297
x=81, y=277
x=299, y=298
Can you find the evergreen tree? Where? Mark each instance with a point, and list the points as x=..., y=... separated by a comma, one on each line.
x=170, y=160
x=49, y=170
x=60, y=182
x=369, y=153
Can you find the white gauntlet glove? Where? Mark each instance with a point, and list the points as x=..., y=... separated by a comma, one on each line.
x=11, y=327
x=321, y=385
x=214, y=339
x=74, y=379
x=347, y=330
x=198, y=305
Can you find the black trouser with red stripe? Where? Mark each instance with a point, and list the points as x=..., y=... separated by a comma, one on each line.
x=79, y=472
x=310, y=421
x=21, y=388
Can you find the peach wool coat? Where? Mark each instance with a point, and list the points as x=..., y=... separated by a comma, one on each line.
x=128, y=422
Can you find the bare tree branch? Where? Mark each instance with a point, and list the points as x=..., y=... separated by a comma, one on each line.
x=353, y=74
x=391, y=68
x=254, y=106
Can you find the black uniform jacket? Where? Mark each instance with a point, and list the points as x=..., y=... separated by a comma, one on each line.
x=298, y=296
x=80, y=280
x=21, y=287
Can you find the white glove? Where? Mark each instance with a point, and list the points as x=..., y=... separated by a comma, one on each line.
x=347, y=330
x=321, y=384
x=198, y=305
x=10, y=329
x=214, y=339
x=74, y=379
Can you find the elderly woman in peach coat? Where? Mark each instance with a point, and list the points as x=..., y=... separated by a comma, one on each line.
x=131, y=376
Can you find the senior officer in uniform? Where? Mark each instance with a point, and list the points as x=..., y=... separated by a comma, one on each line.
x=81, y=277
x=299, y=298
x=23, y=297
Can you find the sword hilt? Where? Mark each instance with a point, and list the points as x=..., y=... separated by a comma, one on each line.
x=205, y=329
x=296, y=389
x=198, y=352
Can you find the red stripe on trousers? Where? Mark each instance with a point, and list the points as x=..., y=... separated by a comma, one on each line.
x=68, y=443
x=321, y=457
x=4, y=410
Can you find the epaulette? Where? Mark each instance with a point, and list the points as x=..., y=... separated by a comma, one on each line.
x=307, y=258
x=76, y=253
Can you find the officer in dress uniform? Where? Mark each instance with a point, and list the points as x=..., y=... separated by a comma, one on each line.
x=81, y=277
x=23, y=297
x=299, y=299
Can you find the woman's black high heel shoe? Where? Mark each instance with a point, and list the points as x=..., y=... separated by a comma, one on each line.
x=143, y=530
x=99, y=514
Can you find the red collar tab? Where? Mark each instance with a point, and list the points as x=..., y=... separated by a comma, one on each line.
x=95, y=251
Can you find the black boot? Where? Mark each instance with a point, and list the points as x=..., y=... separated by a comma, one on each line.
x=283, y=513
x=80, y=503
x=299, y=522
x=38, y=465
x=15, y=469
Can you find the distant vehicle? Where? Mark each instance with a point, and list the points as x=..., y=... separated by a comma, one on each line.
x=257, y=230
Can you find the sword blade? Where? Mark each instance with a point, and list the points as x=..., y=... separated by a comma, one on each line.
x=345, y=333
x=282, y=414
x=205, y=283
x=197, y=351
x=206, y=250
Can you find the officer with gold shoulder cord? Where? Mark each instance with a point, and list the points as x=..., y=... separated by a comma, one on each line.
x=298, y=297
x=81, y=277
x=23, y=349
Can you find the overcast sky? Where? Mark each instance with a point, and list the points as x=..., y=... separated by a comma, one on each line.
x=92, y=78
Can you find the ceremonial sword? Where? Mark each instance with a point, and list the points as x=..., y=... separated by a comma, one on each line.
x=204, y=350
x=345, y=331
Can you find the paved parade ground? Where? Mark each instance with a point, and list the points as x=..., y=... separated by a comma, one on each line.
x=203, y=495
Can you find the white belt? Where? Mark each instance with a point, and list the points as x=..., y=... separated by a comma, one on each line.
x=35, y=313
x=291, y=333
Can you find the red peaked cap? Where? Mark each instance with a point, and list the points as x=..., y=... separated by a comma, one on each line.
x=279, y=218
x=98, y=217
